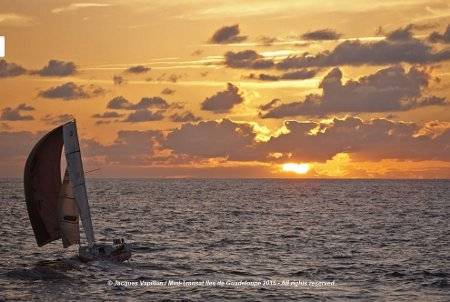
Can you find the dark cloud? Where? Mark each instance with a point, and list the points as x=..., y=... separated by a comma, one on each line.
x=107, y=115
x=396, y=49
x=247, y=59
x=105, y=122
x=371, y=53
x=371, y=140
x=264, y=77
x=118, y=80
x=56, y=68
x=144, y=115
x=321, y=34
x=58, y=119
x=120, y=102
x=227, y=34
x=389, y=89
x=25, y=107
x=269, y=106
x=129, y=148
x=167, y=91
x=301, y=74
x=71, y=91
x=223, y=101
x=197, y=53
x=436, y=37
x=138, y=69
x=424, y=26
x=401, y=34
x=266, y=40
x=184, y=117
x=10, y=69
x=404, y=33
x=210, y=139
x=14, y=114
x=15, y=147
x=174, y=77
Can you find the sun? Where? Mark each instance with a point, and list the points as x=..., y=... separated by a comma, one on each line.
x=296, y=168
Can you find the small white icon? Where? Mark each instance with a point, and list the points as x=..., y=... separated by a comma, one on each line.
x=2, y=46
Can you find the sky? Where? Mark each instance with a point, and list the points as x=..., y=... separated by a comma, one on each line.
x=231, y=89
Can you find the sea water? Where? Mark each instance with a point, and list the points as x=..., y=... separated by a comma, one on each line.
x=241, y=240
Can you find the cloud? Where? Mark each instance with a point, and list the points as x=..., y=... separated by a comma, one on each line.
x=144, y=115
x=71, y=91
x=118, y=80
x=14, y=114
x=25, y=107
x=227, y=34
x=56, y=68
x=10, y=69
x=211, y=139
x=138, y=69
x=223, y=101
x=226, y=140
x=371, y=53
x=267, y=41
x=15, y=146
x=269, y=106
x=395, y=49
x=301, y=74
x=107, y=115
x=389, y=89
x=401, y=34
x=77, y=6
x=120, y=102
x=184, y=117
x=129, y=148
x=11, y=19
x=321, y=35
x=167, y=91
x=174, y=77
x=249, y=59
x=370, y=140
x=197, y=53
x=436, y=37
x=58, y=119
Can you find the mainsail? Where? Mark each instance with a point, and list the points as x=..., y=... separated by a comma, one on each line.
x=68, y=213
x=76, y=175
x=42, y=182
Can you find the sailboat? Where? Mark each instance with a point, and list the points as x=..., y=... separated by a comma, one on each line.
x=55, y=206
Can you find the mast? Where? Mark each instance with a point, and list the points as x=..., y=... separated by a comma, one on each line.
x=76, y=175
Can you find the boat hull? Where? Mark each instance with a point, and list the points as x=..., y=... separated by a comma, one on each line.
x=104, y=252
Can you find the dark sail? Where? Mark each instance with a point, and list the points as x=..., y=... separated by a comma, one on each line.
x=42, y=183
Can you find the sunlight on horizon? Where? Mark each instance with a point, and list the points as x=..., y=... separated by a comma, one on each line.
x=301, y=168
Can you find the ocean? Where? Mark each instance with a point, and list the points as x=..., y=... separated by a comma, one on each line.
x=241, y=240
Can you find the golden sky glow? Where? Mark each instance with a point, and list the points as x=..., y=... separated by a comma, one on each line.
x=231, y=88
x=296, y=168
